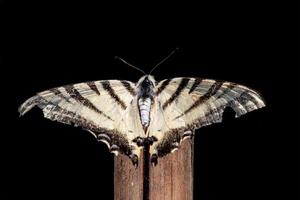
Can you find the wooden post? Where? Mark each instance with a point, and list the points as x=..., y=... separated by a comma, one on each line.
x=171, y=179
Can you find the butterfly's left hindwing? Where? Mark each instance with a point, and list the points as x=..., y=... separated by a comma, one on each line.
x=185, y=104
x=104, y=108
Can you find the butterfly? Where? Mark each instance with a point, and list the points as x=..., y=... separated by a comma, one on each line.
x=128, y=116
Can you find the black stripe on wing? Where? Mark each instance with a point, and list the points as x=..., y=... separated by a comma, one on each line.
x=202, y=99
x=128, y=87
x=106, y=86
x=164, y=84
x=245, y=97
x=59, y=94
x=196, y=83
x=75, y=94
x=93, y=87
x=183, y=83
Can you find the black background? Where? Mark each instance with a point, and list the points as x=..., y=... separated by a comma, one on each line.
x=49, y=44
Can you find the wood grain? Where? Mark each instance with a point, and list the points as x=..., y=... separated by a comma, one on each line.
x=171, y=179
x=128, y=180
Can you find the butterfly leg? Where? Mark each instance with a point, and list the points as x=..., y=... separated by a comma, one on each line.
x=154, y=159
x=134, y=159
x=134, y=156
x=153, y=155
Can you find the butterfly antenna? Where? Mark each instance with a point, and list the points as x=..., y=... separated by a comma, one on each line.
x=118, y=58
x=166, y=58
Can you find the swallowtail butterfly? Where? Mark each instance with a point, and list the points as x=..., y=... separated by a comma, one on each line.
x=127, y=116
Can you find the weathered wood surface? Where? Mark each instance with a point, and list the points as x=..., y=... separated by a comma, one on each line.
x=128, y=180
x=171, y=179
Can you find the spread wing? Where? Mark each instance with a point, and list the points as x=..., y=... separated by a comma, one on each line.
x=186, y=104
x=104, y=108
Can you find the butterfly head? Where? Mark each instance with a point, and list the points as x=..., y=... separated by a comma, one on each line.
x=147, y=81
x=146, y=86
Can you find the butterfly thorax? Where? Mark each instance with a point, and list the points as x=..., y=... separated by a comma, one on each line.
x=145, y=100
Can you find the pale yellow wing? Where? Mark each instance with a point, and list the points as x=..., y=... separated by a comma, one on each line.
x=186, y=104
x=104, y=108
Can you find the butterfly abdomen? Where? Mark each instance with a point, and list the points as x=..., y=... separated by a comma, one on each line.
x=145, y=99
x=145, y=107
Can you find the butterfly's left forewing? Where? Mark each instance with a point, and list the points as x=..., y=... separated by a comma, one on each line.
x=107, y=109
x=185, y=104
